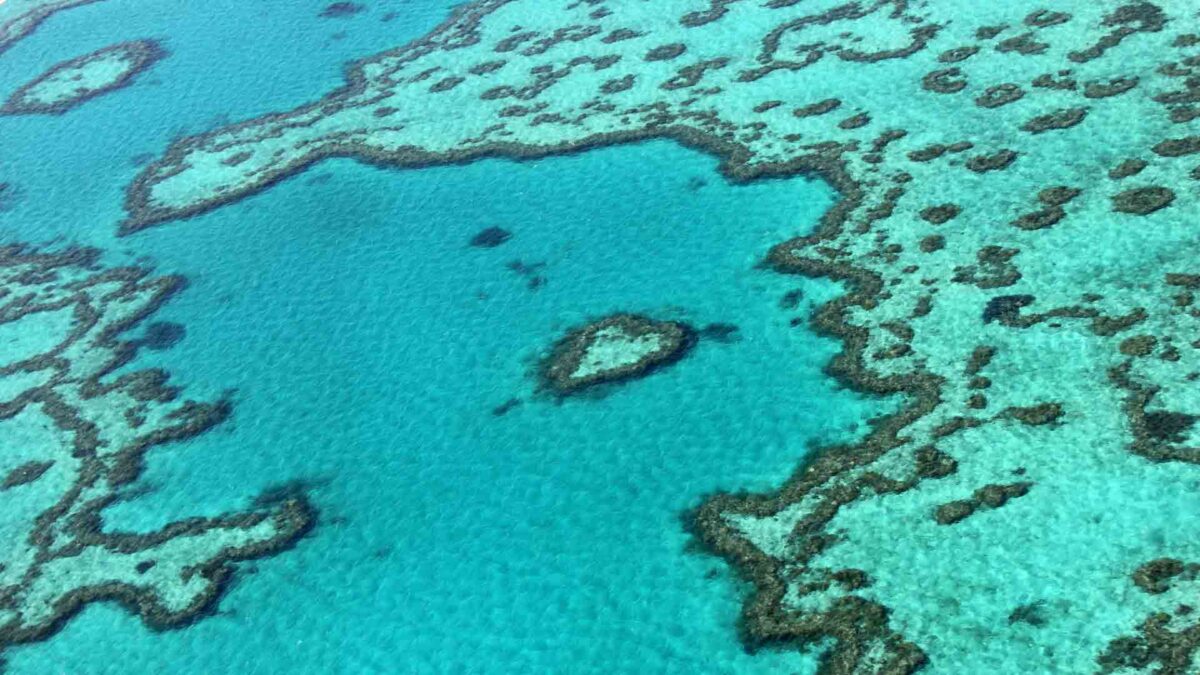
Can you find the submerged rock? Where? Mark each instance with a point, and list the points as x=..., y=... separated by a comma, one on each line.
x=341, y=10
x=162, y=335
x=725, y=333
x=616, y=347
x=490, y=237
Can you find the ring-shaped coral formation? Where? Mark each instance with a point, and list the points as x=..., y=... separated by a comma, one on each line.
x=615, y=348
x=72, y=83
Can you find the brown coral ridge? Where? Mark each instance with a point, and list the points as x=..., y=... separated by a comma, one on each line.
x=556, y=373
x=74, y=524
x=859, y=626
x=142, y=53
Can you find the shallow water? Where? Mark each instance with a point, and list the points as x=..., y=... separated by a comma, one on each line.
x=1013, y=232
x=368, y=346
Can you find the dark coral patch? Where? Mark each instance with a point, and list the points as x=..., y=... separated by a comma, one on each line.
x=1153, y=577
x=1024, y=44
x=1052, y=199
x=1138, y=345
x=989, y=32
x=987, y=497
x=1061, y=81
x=1113, y=87
x=997, y=161
x=1059, y=119
x=791, y=299
x=1143, y=201
x=1005, y=308
x=1044, y=18
x=934, y=242
x=944, y=81
x=819, y=108
x=1032, y=614
x=1168, y=426
x=941, y=213
x=1127, y=168
x=999, y=95
x=666, y=52
x=618, y=85
x=1036, y=415
x=1040, y=219
x=1058, y=195
x=1178, y=147
x=855, y=122
x=1124, y=21
x=958, y=54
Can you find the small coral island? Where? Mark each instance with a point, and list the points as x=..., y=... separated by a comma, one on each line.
x=71, y=83
x=614, y=348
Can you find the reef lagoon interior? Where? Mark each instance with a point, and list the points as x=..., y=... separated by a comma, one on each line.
x=524, y=336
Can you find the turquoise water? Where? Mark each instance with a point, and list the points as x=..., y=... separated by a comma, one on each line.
x=367, y=346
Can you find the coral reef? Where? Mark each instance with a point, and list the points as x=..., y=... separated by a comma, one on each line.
x=993, y=271
x=614, y=348
x=76, y=425
x=74, y=82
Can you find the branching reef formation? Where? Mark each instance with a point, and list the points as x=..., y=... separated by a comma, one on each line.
x=1015, y=236
x=75, y=432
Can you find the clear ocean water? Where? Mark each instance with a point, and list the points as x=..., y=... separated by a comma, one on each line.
x=367, y=346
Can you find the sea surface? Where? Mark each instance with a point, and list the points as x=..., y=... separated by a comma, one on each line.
x=368, y=347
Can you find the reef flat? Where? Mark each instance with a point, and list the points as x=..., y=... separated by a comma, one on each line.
x=74, y=82
x=1017, y=187
x=19, y=18
x=75, y=434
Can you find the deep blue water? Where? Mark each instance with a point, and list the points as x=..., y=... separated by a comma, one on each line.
x=368, y=345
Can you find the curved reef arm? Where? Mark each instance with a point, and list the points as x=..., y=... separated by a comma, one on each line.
x=75, y=434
